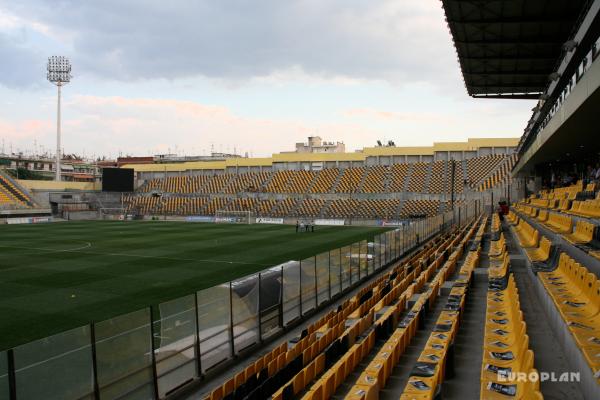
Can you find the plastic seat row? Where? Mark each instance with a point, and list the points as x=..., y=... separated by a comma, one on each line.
x=586, y=208
x=298, y=363
x=575, y=292
x=559, y=223
x=585, y=235
x=527, y=235
x=506, y=352
x=419, y=208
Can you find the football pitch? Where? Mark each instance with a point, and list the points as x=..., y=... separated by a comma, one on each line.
x=58, y=276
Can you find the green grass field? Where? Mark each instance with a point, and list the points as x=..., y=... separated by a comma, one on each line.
x=62, y=275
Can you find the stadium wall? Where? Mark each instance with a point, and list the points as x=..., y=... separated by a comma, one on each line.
x=368, y=156
x=54, y=186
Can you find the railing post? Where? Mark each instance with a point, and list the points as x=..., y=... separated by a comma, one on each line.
x=154, y=367
x=94, y=362
x=197, y=338
x=340, y=268
x=12, y=376
x=260, y=338
x=300, y=286
x=329, y=273
x=316, y=283
x=281, y=297
x=231, y=338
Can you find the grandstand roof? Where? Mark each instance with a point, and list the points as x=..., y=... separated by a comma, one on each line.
x=508, y=49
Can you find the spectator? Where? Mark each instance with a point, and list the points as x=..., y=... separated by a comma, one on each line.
x=589, y=173
x=504, y=207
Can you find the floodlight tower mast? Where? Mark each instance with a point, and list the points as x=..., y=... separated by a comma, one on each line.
x=59, y=73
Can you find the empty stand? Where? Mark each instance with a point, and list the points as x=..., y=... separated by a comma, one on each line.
x=417, y=177
x=351, y=177
x=375, y=180
x=412, y=208
x=398, y=175
x=325, y=180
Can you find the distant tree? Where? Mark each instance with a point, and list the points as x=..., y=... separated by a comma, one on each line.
x=24, y=173
x=379, y=143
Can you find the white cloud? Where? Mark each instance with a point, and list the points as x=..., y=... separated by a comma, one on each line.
x=396, y=41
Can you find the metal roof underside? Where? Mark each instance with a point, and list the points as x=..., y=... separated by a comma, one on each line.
x=509, y=48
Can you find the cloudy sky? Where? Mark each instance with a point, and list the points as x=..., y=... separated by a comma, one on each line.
x=251, y=75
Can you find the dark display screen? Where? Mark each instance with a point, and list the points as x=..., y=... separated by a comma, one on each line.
x=117, y=180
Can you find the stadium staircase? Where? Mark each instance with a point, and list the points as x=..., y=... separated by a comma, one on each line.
x=296, y=208
x=446, y=183
x=325, y=208
x=313, y=182
x=276, y=208
x=426, y=185
x=363, y=178
x=408, y=178
x=228, y=182
x=387, y=180
x=399, y=209
x=267, y=182
x=336, y=183
x=443, y=207
x=465, y=175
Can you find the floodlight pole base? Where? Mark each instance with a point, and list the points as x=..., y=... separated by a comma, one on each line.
x=58, y=85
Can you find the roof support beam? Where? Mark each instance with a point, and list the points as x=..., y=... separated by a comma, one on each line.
x=516, y=42
x=527, y=57
x=523, y=96
x=511, y=20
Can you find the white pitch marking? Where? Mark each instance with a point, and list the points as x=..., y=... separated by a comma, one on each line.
x=79, y=249
x=86, y=246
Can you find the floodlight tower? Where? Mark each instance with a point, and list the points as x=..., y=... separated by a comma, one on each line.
x=59, y=73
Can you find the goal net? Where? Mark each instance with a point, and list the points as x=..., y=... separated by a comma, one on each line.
x=113, y=213
x=234, y=217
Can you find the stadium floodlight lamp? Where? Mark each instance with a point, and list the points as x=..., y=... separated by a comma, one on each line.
x=59, y=73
